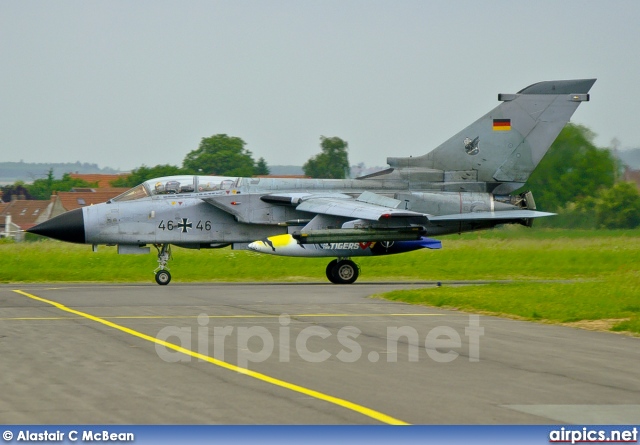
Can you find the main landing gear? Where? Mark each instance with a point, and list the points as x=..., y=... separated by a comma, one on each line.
x=342, y=271
x=339, y=271
x=163, y=277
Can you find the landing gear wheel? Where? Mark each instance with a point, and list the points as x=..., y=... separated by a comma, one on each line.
x=329, y=271
x=346, y=272
x=163, y=277
x=342, y=272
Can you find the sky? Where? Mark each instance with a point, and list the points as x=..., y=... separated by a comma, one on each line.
x=127, y=83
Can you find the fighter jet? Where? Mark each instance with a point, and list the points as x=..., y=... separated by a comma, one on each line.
x=467, y=183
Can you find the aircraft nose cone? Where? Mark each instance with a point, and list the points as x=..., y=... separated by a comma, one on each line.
x=66, y=227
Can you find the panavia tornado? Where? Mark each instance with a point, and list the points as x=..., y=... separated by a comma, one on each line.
x=463, y=185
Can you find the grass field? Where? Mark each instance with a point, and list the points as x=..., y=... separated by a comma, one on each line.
x=592, y=277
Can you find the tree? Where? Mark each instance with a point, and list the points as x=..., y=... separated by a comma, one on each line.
x=332, y=162
x=261, y=167
x=18, y=189
x=618, y=207
x=574, y=168
x=144, y=173
x=43, y=188
x=220, y=155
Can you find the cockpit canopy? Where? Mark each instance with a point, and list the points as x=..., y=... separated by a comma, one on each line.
x=173, y=185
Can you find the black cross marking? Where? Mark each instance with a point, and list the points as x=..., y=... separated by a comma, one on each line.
x=185, y=225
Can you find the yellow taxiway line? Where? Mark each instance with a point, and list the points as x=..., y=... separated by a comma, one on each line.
x=381, y=417
x=160, y=317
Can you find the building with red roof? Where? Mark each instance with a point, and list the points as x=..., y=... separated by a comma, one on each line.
x=65, y=201
x=102, y=181
x=22, y=214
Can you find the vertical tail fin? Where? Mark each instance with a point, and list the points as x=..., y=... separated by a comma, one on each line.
x=506, y=144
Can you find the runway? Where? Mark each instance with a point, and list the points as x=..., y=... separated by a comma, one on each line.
x=296, y=354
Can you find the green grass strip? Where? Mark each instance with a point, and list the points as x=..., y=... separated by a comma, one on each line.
x=602, y=269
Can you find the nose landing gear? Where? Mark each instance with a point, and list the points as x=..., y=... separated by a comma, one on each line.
x=163, y=277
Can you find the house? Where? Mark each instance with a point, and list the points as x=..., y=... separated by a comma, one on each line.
x=21, y=214
x=102, y=181
x=24, y=214
x=65, y=201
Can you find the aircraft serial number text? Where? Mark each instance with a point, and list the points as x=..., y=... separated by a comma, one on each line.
x=184, y=225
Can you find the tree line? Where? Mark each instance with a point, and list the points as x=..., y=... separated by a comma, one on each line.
x=222, y=155
x=575, y=179
x=217, y=155
x=580, y=182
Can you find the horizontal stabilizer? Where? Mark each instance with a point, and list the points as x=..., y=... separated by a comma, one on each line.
x=505, y=215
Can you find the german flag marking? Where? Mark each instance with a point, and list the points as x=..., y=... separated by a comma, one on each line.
x=502, y=124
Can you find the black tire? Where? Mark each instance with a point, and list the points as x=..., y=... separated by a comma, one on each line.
x=163, y=277
x=329, y=271
x=345, y=272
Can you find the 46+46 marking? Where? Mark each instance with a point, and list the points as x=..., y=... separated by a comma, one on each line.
x=184, y=225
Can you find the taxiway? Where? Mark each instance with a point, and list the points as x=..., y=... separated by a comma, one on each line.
x=296, y=354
